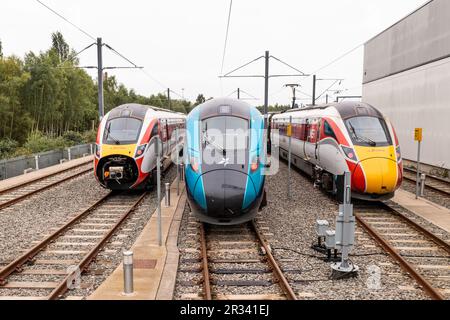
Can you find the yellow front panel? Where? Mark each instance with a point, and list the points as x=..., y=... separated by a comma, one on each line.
x=125, y=150
x=380, y=168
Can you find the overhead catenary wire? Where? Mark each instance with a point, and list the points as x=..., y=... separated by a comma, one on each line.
x=67, y=20
x=135, y=66
x=226, y=36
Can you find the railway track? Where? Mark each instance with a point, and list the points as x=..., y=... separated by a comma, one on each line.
x=422, y=254
x=51, y=267
x=15, y=194
x=235, y=263
x=433, y=183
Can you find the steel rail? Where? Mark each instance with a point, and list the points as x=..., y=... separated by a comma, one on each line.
x=84, y=264
x=31, y=193
x=431, y=236
x=17, y=264
x=405, y=265
x=205, y=268
x=434, y=188
x=42, y=178
x=290, y=294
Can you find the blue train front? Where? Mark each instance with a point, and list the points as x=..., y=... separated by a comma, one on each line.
x=224, y=156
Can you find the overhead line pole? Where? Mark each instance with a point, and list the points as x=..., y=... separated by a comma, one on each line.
x=239, y=93
x=266, y=89
x=314, y=90
x=168, y=99
x=101, y=107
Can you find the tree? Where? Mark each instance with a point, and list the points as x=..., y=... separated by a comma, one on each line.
x=60, y=46
x=200, y=99
x=1, y=49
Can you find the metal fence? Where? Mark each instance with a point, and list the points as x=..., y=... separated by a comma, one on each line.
x=15, y=167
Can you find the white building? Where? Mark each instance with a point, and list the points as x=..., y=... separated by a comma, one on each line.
x=407, y=77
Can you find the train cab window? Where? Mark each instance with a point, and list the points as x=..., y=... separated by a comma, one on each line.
x=154, y=131
x=225, y=133
x=368, y=131
x=122, y=131
x=329, y=131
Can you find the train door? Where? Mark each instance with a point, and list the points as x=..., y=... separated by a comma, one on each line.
x=317, y=138
x=312, y=127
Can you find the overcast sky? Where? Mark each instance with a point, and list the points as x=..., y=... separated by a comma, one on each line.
x=180, y=43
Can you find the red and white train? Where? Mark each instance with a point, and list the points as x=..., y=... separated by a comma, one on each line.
x=125, y=155
x=331, y=139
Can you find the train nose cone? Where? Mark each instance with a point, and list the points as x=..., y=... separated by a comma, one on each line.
x=224, y=192
x=377, y=175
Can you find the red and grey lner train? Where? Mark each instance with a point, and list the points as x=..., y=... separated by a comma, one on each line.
x=331, y=139
x=125, y=155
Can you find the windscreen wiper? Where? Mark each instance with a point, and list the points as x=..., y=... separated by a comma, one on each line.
x=361, y=138
x=214, y=145
x=108, y=129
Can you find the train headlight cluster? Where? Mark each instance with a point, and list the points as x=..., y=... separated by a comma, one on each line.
x=399, y=154
x=140, y=151
x=255, y=164
x=350, y=153
x=97, y=151
x=193, y=161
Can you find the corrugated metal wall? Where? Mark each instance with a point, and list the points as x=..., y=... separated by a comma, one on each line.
x=413, y=99
x=407, y=77
x=422, y=37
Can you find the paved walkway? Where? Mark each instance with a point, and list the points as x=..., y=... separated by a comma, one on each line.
x=15, y=181
x=155, y=267
x=432, y=212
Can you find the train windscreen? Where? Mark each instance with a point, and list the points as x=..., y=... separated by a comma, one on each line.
x=368, y=131
x=122, y=131
x=225, y=133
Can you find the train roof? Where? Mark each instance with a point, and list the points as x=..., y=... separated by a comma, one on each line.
x=237, y=108
x=138, y=111
x=346, y=109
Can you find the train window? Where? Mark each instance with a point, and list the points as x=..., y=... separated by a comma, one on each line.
x=368, y=131
x=154, y=131
x=329, y=131
x=225, y=133
x=122, y=131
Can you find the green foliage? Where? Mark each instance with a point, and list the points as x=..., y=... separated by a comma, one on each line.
x=73, y=137
x=38, y=142
x=7, y=148
x=44, y=97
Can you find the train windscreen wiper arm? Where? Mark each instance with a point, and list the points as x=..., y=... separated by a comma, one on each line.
x=361, y=138
x=108, y=129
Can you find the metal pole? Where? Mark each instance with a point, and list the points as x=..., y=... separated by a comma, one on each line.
x=239, y=93
x=290, y=158
x=167, y=195
x=128, y=287
x=158, y=183
x=314, y=91
x=266, y=103
x=101, y=108
x=178, y=162
x=418, y=171
x=168, y=99
x=266, y=90
x=423, y=177
x=326, y=98
x=294, y=98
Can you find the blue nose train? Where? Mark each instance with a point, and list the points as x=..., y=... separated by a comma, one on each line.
x=224, y=161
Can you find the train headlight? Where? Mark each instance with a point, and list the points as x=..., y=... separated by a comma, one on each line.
x=350, y=153
x=255, y=164
x=399, y=154
x=140, y=151
x=97, y=151
x=193, y=162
